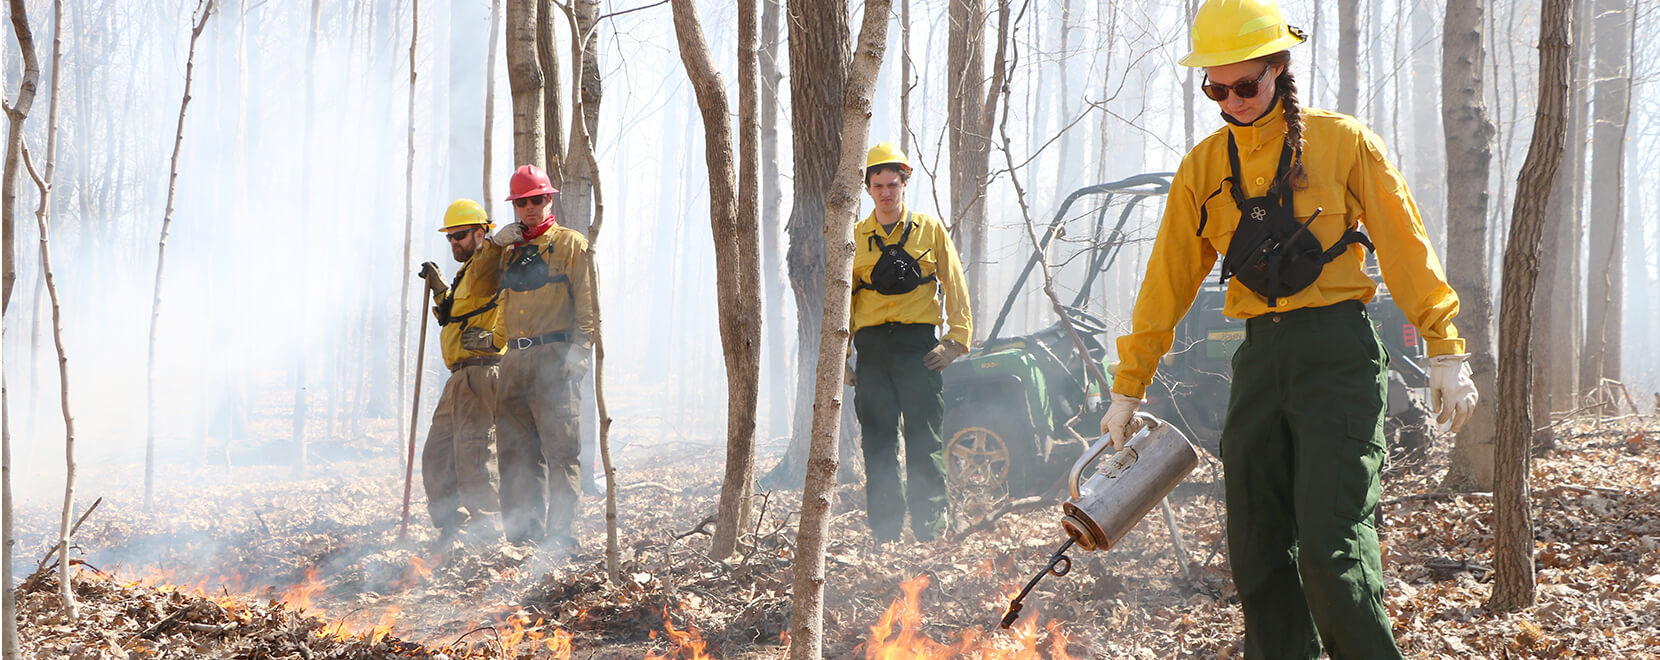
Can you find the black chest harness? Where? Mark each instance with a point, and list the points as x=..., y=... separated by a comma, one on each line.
x=896, y=271
x=1271, y=253
x=528, y=270
x=445, y=317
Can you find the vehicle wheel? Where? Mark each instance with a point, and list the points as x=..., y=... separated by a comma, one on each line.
x=987, y=457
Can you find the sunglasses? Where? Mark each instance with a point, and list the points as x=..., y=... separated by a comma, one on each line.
x=529, y=201
x=456, y=236
x=1245, y=89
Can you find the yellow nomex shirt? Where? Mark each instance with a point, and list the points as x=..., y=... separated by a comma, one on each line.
x=935, y=255
x=565, y=302
x=475, y=289
x=1349, y=179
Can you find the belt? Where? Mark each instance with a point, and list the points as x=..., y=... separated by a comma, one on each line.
x=1342, y=308
x=522, y=343
x=480, y=361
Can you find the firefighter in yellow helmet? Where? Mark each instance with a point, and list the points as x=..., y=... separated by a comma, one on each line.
x=903, y=265
x=458, y=464
x=1290, y=200
x=548, y=309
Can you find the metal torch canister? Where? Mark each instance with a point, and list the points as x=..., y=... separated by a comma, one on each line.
x=1127, y=485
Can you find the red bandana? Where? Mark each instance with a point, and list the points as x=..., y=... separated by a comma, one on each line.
x=541, y=228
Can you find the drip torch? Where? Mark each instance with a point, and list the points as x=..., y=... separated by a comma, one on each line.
x=1123, y=489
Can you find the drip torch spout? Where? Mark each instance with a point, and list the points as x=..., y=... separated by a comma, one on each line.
x=1059, y=565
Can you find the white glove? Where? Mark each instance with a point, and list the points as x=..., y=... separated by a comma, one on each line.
x=1116, y=423
x=509, y=235
x=1452, y=395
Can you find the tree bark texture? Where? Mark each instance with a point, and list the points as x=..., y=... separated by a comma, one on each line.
x=524, y=78
x=1348, y=56
x=204, y=12
x=576, y=197
x=969, y=138
x=8, y=602
x=408, y=272
x=841, y=205
x=819, y=43
x=776, y=366
x=1469, y=140
x=1605, y=276
x=553, y=113
x=1556, y=336
x=1513, y=582
x=17, y=110
x=489, y=195
x=738, y=271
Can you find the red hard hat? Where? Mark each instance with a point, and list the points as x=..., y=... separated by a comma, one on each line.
x=529, y=181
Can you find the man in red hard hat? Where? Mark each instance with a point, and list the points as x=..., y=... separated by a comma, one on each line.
x=547, y=300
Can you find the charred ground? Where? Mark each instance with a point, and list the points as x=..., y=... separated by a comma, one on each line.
x=250, y=562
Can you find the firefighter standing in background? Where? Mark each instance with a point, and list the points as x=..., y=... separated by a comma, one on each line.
x=904, y=261
x=547, y=301
x=1279, y=193
x=458, y=464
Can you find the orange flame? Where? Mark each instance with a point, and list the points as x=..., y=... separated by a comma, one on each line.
x=298, y=597
x=909, y=643
x=417, y=573
x=688, y=641
x=551, y=642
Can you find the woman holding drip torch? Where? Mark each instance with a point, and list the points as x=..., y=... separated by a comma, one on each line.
x=1280, y=195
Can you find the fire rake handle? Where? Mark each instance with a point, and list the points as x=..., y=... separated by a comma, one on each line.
x=1059, y=565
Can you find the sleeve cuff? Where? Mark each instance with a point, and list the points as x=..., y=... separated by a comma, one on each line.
x=1445, y=346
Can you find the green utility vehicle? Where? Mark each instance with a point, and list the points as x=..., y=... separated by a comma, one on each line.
x=1019, y=410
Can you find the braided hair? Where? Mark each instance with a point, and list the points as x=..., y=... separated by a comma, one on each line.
x=1286, y=87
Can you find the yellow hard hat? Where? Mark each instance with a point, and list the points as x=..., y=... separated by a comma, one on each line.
x=1229, y=31
x=884, y=153
x=464, y=212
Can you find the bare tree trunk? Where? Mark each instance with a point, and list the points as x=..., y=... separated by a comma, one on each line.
x=1605, y=276
x=524, y=77
x=490, y=108
x=840, y=207
x=1513, y=583
x=1556, y=339
x=1348, y=56
x=8, y=602
x=204, y=9
x=553, y=116
x=905, y=76
x=736, y=243
x=969, y=139
x=17, y=111
x=582, y=16
x=66, y=594
x=819, y=43
x=1469, y=136
x=575, y=198
x=777, y=364
x=406, y=274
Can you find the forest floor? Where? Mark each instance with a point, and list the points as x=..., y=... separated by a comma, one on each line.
x=252, y=562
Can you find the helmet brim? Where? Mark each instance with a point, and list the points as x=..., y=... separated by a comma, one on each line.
x=532, y=193
x=1197, y=59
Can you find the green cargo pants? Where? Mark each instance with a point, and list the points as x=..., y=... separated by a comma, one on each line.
x=1302, y=447
x=458, y=463
x=536, y=428
x=892, y=385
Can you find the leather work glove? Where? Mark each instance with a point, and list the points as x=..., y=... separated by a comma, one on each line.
x=1452, y=395
x=943, y=355
x=434, y=278
x=847, y=374
x=1120, y=415
x=509, y=235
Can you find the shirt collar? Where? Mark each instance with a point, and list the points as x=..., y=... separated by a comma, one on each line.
x=870, y=226
x=1267, y=128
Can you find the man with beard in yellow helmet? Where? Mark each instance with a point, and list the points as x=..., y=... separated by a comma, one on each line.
x=1280, y=194
x=458, y=464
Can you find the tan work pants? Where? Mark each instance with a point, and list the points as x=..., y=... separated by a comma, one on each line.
x=458, y=464
x=536, y=422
